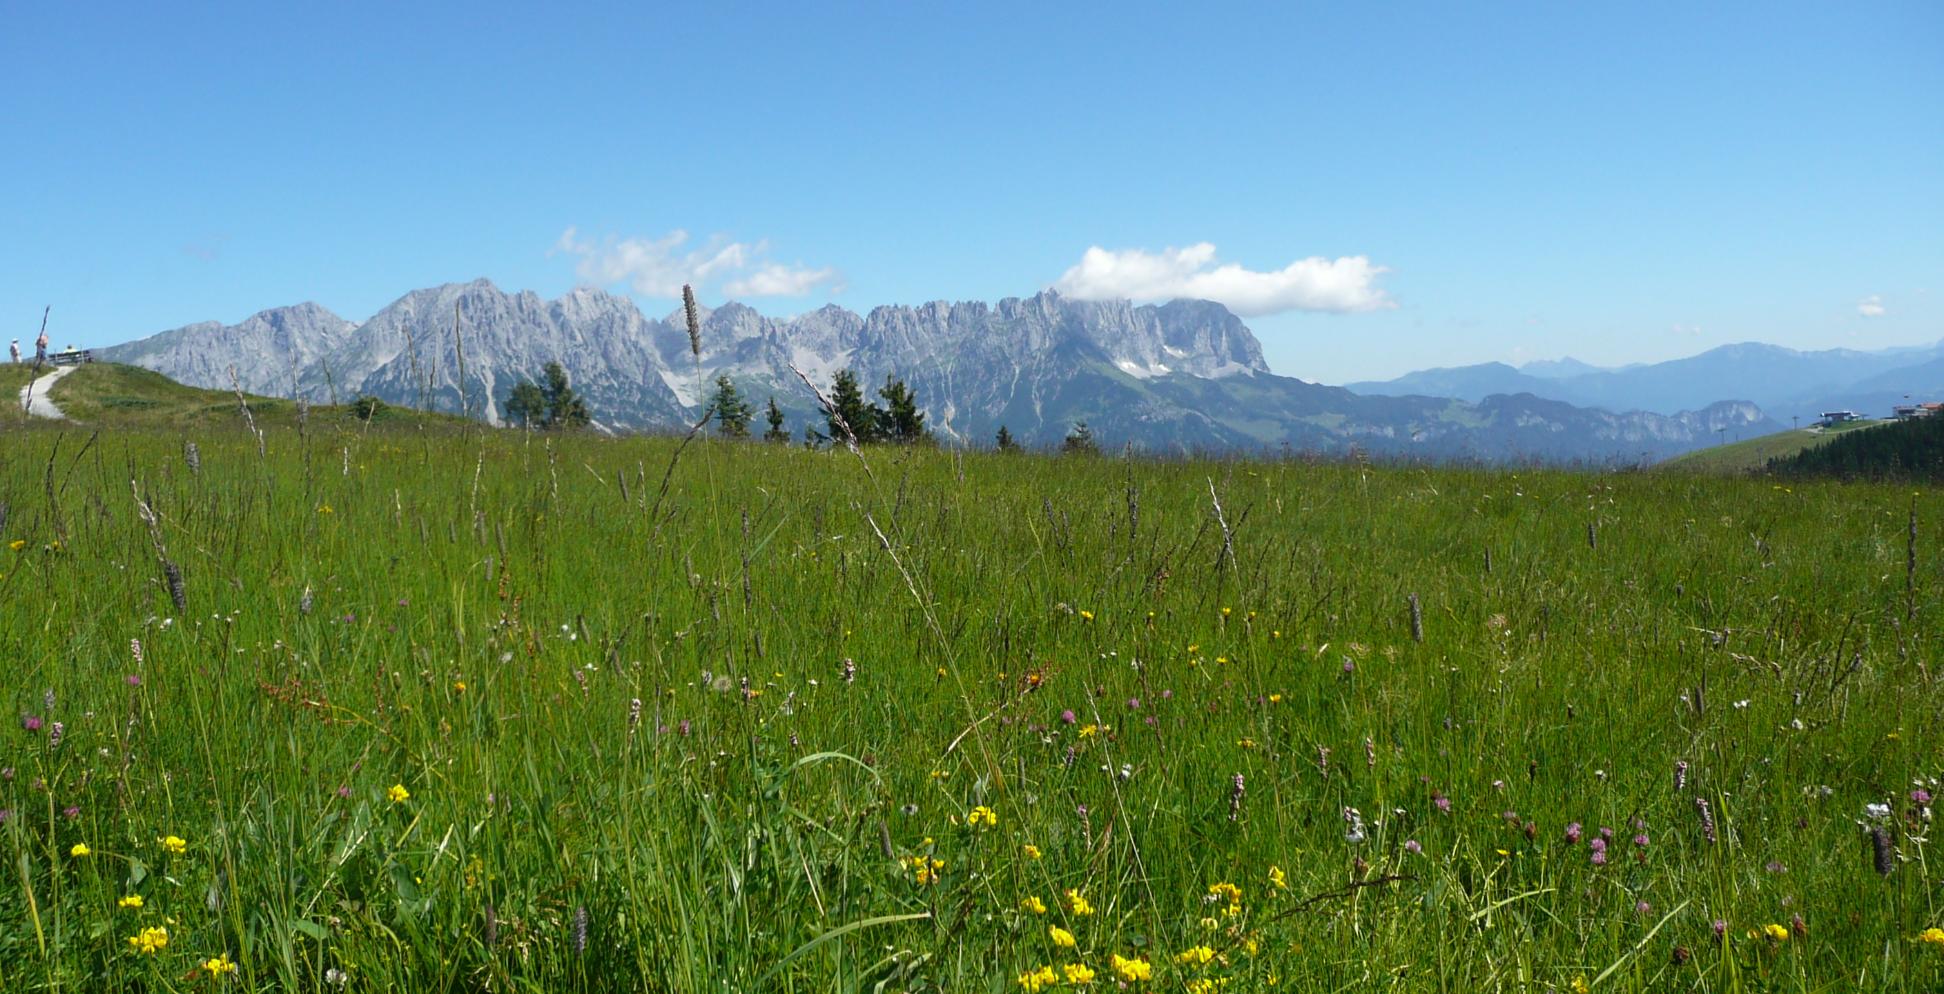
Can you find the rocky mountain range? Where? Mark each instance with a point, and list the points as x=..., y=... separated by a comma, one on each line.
x=1186, y=375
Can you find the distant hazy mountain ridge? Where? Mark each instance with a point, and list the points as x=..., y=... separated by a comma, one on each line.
x=1186, y=374
x=1783, y=382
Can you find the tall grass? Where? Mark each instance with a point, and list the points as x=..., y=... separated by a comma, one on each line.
x=731, y=738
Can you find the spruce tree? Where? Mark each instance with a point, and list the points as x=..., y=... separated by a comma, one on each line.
x=1005, y=440
x=847, y=401
x=774, y=415
x=1080, y=441
x=565, y=408
x=731, y=410
x=901, y=421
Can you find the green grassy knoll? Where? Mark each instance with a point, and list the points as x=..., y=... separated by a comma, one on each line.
x=487, y=711
x=118, y=396
x=1752, y=455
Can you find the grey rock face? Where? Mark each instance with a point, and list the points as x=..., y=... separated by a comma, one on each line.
x=1186, y=375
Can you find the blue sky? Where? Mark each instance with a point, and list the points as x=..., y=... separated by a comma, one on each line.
x=1467, y=182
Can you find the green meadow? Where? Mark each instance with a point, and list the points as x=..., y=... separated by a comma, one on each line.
x=394, y=708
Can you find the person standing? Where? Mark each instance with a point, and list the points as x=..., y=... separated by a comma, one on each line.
x=40, y=348
x=14, y=351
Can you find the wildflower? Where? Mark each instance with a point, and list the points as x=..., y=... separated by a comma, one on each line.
x=397, y=793
x=981, y=815
x=1441, y=802
x=1932, y=936
x=80, y=849
x=1131, y=970
x=149, y=941
x=925, y=871
x=1089, y=731
x=1573, y=834
x=1226, y=891
x=324, y=509
x=219, y=966
x=17, y=544
x=459, y=687
x=1077, y=903
x=336, y=977
x=1031, y=851
x=1078, y=973
x=1773, y=932
x=1278, y=879
x=1033, y=980
x=1067, y=717
x=1086, y=615
x=1061, y=937
x=1580, y=986
x=132, y=901
x=1033, y=904
x=1411, y=846
x=173, y=844
x=1196, y=956
x=30, y=722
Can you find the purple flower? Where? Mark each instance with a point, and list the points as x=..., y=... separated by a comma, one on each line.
x=1641, y=840
x=1349, y=666
x=1133, y=704
x=1775, y=866
x=30, y=722
x=1573, y=832
x=54, y=734
x=1599, y=857
x=1167, y=695
x=682, y=727
x=1411, y=846
x=344, y=791
x=1598, y=844
x=71, y=812
x=1067, y=716
x=5, y=814
x=1720, y=928
x=1441, y=802
x=1498, y=785
x=134, y=679
x=1642, y=908
x=1920, y=796
x=1606, y=833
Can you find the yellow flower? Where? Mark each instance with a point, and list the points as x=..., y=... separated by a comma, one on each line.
x=1932, y=935
x=80, y=849
x=1774, y=933
x=324, y=509
x=1196, y=956
x=1131, y=970
x=1033, y=904
x=1580, y=986
x=1077, y=903
x=173, y=844
x=398, y=794
x=1206, y=985
x=1278, y=879
x=1089, y=731
x=1086, y=616
x=1033, y=980
x=149, y=941
x=17, y=544
x=1245, y=743
x=1061, y=937
x=459, y=686
x=131, y=901
x=981, y=815
x=1227, y=892
x=925, y=871
x=1078, y=973
x=1275, y=698
x=1031, y=851
x=219, y=966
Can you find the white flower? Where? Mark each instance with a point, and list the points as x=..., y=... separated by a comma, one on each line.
x=1877, y=812
x=1741, y=704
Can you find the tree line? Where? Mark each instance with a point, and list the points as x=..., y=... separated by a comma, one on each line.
x=894, y=417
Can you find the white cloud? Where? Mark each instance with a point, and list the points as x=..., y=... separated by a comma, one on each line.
x=774, y=279
x=657, y=267
x=1341, y=285
x=1871, y=306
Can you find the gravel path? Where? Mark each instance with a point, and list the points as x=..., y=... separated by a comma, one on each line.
x=33, y=396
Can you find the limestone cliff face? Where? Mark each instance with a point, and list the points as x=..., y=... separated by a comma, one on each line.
x=1185, y=375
